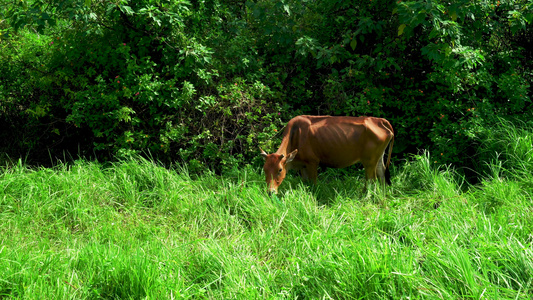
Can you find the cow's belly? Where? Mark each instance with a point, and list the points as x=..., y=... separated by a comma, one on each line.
x=338, y=161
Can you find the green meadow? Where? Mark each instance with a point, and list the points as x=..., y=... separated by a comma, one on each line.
x=137, y=230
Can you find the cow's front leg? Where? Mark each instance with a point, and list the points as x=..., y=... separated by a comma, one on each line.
x=312, y=172
x=304, y=173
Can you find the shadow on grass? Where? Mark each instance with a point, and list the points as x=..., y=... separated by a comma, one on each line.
x=333, y=185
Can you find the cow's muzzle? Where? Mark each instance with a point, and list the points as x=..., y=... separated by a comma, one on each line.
x=272, y=191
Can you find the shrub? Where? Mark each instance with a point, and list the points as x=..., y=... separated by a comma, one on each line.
x=207, y=82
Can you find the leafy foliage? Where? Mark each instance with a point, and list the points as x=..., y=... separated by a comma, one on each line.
x=207, y=82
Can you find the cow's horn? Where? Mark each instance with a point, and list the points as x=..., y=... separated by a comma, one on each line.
x=263, y=153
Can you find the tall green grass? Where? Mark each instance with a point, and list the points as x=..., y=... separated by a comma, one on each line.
x=137, y=230
x=508, y=145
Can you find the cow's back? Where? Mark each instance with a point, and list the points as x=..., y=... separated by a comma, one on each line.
x=335, y=141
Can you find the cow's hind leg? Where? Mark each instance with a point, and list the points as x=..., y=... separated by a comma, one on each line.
x=379, y=179
x=370, y=174
x=380, y=170
x=375, y=173
x=382, y=176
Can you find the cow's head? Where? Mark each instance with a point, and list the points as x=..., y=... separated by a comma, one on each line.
x=276, y=168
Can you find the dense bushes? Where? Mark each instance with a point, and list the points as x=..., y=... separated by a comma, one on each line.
x=124, y=78
x=207, y=82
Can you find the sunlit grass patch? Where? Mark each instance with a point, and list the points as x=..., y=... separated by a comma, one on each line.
x=135, y=229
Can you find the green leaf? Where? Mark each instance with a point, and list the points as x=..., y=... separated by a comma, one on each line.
x=353, y=43
x=454, y=16
x=434, y=32
x=127, y=10
x=287, y=9
x=529, y=18
x=401, y=28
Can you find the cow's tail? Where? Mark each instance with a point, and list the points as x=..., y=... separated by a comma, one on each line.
x=387, y=171
x=391, y=143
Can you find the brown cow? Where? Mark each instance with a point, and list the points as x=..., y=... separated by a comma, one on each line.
x=336, y=142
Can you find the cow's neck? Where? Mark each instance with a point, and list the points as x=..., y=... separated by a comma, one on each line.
x=284, y=148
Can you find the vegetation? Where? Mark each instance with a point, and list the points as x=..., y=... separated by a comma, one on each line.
x=206, y=82
x=134, y=229
x=146, y=103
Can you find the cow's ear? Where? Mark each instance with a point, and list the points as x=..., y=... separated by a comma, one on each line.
x=292, y=155
x=263, y=154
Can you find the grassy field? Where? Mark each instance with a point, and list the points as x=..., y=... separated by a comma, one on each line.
x=136, y=230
